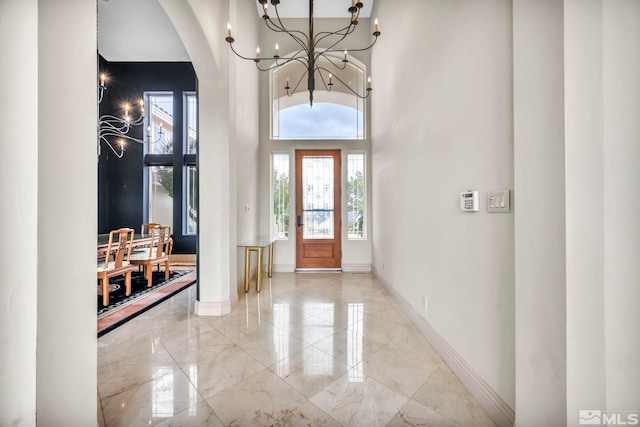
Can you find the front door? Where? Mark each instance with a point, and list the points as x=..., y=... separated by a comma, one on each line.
x=318, y=217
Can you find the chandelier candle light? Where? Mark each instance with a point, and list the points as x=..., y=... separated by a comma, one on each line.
x=112, y=128
x=310, y=53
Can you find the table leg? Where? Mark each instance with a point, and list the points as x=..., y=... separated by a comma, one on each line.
x=247, y=271
x=259, y=271
x=270, y=271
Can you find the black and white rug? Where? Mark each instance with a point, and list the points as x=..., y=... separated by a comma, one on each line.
x=139, y=289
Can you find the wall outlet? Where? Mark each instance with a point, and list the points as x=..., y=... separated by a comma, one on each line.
x=424, y=303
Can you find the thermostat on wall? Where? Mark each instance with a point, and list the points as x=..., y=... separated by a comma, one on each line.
x=469, y=201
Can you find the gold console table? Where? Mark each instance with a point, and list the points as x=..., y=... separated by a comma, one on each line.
x=257, y=246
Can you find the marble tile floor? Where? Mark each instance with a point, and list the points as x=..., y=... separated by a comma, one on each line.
x=322, y=349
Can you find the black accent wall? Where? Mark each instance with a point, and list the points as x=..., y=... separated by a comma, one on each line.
x=121, y=200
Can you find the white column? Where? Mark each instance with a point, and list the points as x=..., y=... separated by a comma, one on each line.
x=621, y=29
x=539, y=175
x=18, y=210
x=67, y=213
x=217, y=237
x=585, y=209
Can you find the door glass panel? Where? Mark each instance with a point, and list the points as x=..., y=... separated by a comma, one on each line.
x=317, y=197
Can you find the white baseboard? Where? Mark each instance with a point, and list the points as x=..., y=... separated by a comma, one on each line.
x=356, y=268
x=501, y=413
x=347, y=268
x=282, y=268
x=213, y=308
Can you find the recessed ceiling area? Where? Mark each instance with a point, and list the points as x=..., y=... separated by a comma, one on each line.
x=137, y=31
x=140, y=31
x=321, y=8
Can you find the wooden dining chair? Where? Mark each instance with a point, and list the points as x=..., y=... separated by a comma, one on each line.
x=118, y=249
x=158, y=253
x=149, y=227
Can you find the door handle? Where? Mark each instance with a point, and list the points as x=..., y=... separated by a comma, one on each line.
x=298, y=223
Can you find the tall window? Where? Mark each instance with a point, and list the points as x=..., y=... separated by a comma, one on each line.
x=159, y=157
x=190, y=207
x=171, y=176
x=336, y=113
x=355, y=196
x=280, y=183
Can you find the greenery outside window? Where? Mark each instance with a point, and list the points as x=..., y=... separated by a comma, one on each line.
x=280, y=188
x=356, y=196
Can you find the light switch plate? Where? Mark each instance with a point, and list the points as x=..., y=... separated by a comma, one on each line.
x=498, y=201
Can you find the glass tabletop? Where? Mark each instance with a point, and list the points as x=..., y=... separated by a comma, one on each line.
x=259, y=242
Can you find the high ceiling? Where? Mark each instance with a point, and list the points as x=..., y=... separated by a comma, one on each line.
x=321, y=8
x=139, y=30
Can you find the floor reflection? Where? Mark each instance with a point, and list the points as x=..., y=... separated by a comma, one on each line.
x=281, y=321
x=318, y=325
x=162, y=397
x=355, y=340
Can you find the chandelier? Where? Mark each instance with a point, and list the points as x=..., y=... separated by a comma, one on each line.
x=114, y=130
x=314, y=58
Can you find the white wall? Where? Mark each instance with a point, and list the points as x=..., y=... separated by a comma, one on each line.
x=442, y=123
x=18, y=211
x=356, y=254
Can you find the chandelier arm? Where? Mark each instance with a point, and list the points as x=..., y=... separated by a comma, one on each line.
x=118, y=155
x=277, y=64
x=324, y=34
x=344, y=32
x=293, y=57
x=302, y=59
x=237, y=54
x=331, y=59
x=298, y=84
x=109, y=119
x=330, y=48
x=277, y=29
x=322, y=78
x=301, y=41
x=346, y=85
x=117, y=127
x=118, y=135
x=356, y=50
x=137, y=121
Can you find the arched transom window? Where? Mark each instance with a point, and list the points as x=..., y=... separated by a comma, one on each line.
x=336, y=112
